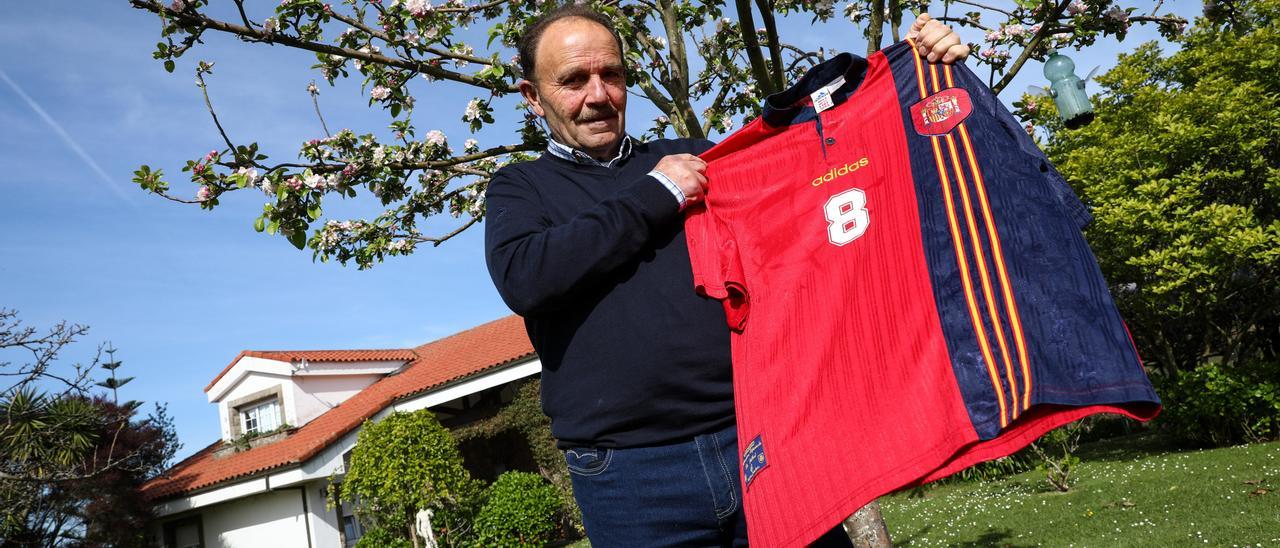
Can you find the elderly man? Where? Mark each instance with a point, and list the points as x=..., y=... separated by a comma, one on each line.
x=586, y=242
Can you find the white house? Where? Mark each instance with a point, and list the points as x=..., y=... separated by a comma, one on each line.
x=303, y=410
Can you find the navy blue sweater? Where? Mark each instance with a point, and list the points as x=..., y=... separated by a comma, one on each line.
x=595, y=260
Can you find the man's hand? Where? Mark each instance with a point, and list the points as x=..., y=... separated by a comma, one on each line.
x=935, y=40
x=688, y=172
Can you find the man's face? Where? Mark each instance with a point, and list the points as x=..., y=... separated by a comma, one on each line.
x=580, y=88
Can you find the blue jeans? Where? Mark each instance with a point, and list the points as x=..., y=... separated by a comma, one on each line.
x=682, y=494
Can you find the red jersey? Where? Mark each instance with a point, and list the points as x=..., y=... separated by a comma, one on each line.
x=908, y=289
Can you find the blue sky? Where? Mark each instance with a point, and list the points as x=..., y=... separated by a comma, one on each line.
x=180, y=291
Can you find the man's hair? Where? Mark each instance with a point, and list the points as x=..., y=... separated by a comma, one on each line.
x=528, y=44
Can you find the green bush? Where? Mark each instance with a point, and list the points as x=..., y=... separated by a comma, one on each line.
x=382, y=538
x=519, y=511
x=1215, y=405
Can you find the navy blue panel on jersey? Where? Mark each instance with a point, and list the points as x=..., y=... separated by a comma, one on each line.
x=1035, y=323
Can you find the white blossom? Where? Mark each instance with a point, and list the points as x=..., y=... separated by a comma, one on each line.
x=660, y=41
x=398, y=245
x=379, y=93
x=313, y=181
x=178, y=5
x=269, y=25
x=1117, y=14
x=1014, y=30
x=994, y=35
x=435, y=137
x=417, y=8
x=379, y=154
x=471, y=144
x=473, y=111
x=250, y=175
x=1076, y=8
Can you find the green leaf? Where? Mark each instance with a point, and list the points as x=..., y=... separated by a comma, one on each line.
x=259, y=224
x=273, y=226
x=168, y=65
x=298, y=238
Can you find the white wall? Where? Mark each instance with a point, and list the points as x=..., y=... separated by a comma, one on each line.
x=313, y=395
x=274, y=519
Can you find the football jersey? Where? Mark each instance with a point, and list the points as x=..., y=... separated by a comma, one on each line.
x=908, y=288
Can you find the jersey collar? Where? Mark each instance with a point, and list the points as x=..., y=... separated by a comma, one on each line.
x=785, y=108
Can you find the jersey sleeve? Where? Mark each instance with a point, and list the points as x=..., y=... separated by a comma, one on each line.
x=984, y=99
x=717, y=268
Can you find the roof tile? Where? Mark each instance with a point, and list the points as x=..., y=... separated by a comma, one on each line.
x=449, y=359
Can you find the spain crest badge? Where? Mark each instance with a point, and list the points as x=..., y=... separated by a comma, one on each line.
x=941, y=112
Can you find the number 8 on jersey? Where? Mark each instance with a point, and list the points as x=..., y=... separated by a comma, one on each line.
x=847, y=216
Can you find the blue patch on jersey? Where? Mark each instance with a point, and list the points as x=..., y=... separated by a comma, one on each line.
x=753, y=460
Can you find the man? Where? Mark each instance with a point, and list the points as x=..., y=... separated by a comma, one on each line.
x=586, y=242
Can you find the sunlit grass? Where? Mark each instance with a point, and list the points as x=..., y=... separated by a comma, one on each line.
x=1129, y=492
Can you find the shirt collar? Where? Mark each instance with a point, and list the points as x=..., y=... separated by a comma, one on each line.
x=565, y=152
x=788, y=107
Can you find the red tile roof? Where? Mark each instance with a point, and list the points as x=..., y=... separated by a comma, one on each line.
x=399, y=354
x=449, y=359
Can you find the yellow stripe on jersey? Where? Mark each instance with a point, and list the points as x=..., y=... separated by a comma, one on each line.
x=983, y=271
x=957, y=242
x=1015, y=319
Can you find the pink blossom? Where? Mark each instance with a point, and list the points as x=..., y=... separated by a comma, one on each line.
x=418, y=8
x=1076, y=8
x=204, y=194
x=1014, y=30
x=178, y=5
x=993, y=36
x=379, y=93
x=435, y=137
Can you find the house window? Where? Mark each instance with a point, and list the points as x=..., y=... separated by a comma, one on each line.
x=260, y=417
x=184, y=533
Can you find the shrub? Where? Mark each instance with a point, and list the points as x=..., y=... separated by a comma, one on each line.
x=382, y=538
x=519, y=511
x=1214, y=405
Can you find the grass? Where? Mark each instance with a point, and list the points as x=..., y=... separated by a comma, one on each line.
x=1130, y=491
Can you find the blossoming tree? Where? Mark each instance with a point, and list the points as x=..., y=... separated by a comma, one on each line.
x=702, y=65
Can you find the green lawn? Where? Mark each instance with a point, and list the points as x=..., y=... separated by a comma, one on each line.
x=1130, y=492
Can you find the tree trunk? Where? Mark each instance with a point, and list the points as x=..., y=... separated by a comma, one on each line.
x=866, y=528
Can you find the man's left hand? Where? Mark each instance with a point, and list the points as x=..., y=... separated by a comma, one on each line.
x=935, y=40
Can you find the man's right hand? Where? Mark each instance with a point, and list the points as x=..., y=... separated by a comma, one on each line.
x=688, y=172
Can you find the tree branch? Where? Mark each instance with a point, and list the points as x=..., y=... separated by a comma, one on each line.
x=1027, y=51
x=747, y=28
x=251, y=34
